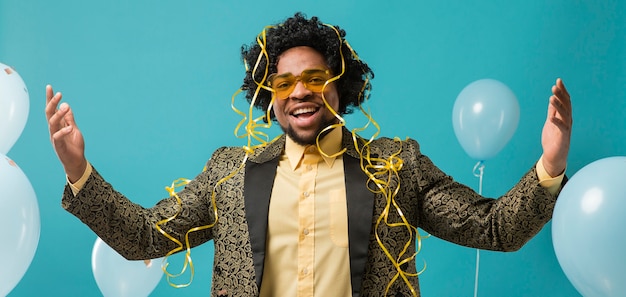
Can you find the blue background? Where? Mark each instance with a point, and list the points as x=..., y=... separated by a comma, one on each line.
x=150, y=84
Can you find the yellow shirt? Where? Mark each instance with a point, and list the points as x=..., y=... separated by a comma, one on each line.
x=307, y=238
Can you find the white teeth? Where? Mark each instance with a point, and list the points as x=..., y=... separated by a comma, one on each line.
x=303, y=110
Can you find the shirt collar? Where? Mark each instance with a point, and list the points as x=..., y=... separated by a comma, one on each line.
x=329, y=144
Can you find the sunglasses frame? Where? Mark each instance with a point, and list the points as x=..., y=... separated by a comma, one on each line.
x=304, y=77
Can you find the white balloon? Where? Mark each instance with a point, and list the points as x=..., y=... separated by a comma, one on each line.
x=14, y=105
x=118, y=277
x=19, y=218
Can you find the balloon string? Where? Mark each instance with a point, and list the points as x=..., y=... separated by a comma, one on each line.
x=478, y=171
x=476, y=277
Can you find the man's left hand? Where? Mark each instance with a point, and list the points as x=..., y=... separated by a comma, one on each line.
x=557, y=131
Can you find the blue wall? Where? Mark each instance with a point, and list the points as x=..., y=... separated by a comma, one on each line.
x=150, y=85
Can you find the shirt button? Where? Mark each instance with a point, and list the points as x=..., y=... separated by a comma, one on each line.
x=306, y=194
x=305, y=271
x=311, y=149
x=309, y=167
x=305, y=231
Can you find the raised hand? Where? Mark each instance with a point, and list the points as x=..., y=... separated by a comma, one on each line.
x=65, y=136
x=557, y=131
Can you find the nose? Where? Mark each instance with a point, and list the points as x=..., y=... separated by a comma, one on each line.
x=299, y=91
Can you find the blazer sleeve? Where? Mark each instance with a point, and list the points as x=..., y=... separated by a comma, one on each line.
x=456, y=213
x=130, y=229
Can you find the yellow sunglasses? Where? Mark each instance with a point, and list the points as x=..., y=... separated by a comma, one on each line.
x=312, y=79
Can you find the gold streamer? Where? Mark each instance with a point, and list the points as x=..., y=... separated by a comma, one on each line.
x=389, y=168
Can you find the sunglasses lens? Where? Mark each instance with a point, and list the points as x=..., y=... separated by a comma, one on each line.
x=312, y=79
x=283, y=84
x=315, y=79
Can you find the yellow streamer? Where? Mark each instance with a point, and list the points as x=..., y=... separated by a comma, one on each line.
x=390, y=168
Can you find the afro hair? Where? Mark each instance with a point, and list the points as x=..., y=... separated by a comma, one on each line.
x=300, y=31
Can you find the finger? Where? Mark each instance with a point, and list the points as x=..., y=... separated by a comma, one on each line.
x=559, y=116
x=561, y=94
x=561, y=85
x=559, y=90
x=69, y=117
x=56, y=122
x=52, y=103
x=562, y=98
x=49, y=93
x=562, y=125
x=49, y=96
x=60, y=134
x=560, y=110
x=63, y=121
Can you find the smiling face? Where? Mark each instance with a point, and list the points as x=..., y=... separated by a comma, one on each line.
x=303, y=115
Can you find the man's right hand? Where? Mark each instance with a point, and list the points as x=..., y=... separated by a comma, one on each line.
x=65, y=136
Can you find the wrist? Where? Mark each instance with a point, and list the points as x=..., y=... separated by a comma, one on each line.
x=553, y=169
x=76, y=172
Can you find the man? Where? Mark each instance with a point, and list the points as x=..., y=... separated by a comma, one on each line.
x=319, y=211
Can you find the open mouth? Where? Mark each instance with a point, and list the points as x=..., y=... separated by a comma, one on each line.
x=304, y=112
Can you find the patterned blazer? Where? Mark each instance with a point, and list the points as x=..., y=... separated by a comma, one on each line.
x=429, y=199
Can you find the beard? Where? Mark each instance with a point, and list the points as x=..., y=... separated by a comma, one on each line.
x=305, y=140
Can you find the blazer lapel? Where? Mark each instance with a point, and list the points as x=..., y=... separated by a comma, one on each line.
x=258, y=184
x=360, y=203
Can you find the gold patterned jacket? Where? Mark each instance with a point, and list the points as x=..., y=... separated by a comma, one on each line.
x=428, y=198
